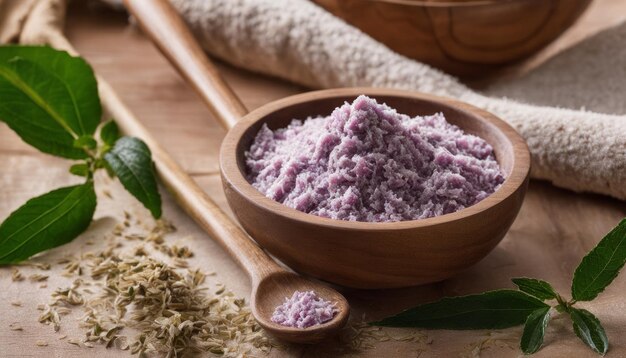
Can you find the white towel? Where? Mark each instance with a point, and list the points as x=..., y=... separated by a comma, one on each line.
x=298, y=41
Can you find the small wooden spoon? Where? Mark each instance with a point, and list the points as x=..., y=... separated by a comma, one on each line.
x=271, y=283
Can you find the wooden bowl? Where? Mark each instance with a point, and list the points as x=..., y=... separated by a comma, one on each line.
x=376, y=255
x=462, y=37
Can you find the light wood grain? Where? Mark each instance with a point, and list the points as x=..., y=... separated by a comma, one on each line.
x=465, y=38
x=554, y=229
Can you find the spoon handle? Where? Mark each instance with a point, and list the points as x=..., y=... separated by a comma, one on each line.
x=185, y=190
x=160, y=21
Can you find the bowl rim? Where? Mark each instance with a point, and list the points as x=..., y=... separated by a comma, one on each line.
x=233, y=177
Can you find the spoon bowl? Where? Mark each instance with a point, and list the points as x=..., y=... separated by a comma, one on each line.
x=271, y=292
x=366, y=254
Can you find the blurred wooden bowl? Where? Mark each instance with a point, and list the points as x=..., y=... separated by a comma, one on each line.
x=461, y=37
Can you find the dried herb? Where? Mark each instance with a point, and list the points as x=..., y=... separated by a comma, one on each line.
x=507, y=308
x=16, y=275
x=37, y=277
x=50, y=99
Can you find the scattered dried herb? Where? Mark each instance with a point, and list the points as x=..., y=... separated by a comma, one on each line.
x=144, y=305
x=40, y=265
x=147, y=306
x=50, y=316
x=16, y=275
x=182, y=252
x=507, y=308
x=68, y=296
x=50, y=99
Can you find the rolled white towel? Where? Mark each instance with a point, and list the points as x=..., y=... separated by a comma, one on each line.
x=298, y=41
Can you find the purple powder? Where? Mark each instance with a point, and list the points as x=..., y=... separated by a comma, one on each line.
x=366, y=162
x=304, y=309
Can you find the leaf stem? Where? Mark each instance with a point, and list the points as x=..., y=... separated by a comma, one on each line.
x=566, y=305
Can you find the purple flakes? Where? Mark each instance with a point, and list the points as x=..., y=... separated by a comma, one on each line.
x=366, y=162
x=304, y=309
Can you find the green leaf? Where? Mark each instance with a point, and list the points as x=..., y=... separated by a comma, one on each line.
x=108, y=168
x=601, y=265
x=48, y=98
x=588, y=328
x=131, y=161
x=81, y=169
x=109, y=133
x=47, y=221
x=86, y=141
x=534, y=330
x=534, y=287
x=489, y=310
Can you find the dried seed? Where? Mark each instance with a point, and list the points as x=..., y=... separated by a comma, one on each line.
x=40, y=265
x=50, y=316
x=174, y=314
x=41, y=343
x=16, y=275
x=37, y=277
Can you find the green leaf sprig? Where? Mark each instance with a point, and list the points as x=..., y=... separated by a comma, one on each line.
x=526, y=306
x=50, y=99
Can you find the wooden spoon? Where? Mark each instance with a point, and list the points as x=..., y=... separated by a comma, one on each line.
x=271, y=283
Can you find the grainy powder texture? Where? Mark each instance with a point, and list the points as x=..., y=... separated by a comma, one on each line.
x=304, y=309
x=366, y=162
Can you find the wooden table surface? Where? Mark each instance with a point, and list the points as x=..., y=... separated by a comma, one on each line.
x=553, y=231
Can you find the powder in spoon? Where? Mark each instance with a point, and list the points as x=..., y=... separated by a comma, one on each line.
x=304, y=309
x=367, y=162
